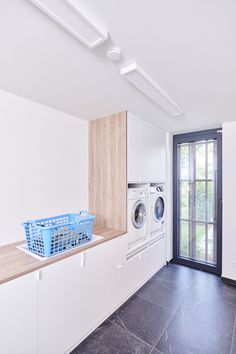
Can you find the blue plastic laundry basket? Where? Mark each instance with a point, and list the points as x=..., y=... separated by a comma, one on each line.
x=47, y=237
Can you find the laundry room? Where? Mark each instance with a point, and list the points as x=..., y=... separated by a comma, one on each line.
x=117, y=140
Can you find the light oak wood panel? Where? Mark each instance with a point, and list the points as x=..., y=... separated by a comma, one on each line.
x=108, y=171
x=14, y=263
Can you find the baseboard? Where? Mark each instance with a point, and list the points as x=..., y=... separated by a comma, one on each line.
x=229, y=281
x=169, y=262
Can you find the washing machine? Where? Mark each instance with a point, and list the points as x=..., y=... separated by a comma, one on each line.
x=137, y=217
x=157, y=211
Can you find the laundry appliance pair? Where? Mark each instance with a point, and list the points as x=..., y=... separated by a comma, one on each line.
x=146, y=214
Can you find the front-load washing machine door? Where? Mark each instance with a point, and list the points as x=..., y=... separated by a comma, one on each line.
x=159, y=209
x=138, y=215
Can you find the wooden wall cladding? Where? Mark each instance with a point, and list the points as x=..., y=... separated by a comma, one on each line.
x=108, y=171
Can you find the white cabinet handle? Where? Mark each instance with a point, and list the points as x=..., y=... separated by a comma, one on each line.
x=119, y=266
x=139, y=257
x=83, y=260
x=38, y=275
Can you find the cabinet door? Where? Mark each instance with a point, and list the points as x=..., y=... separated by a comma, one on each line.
x=134, y=275
x=146, y=151
x=141, y=267
x=153, y=258
x=162, y=257
x=144, y=265
x=18, y=316
x=59, y=306
x=102, y=281
x=160, y=155
x=153, y=153
x=134, y=149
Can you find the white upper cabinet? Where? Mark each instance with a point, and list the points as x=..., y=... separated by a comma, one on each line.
x=133, y=148
x=146, y=151
x=18, y=309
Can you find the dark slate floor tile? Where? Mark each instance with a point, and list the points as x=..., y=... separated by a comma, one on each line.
x=217, y=314
x=155, y=351
x=178, y=275
x=203, y=323
x=181, y=289
x=233, y=347
x=111, y=339
x=160, y=293
x=212, y=287
x=185, y=335
x=142, y=318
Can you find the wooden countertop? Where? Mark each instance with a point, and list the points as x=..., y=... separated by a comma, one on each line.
x=14, y=263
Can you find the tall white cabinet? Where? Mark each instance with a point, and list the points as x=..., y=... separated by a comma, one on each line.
x=146, y=151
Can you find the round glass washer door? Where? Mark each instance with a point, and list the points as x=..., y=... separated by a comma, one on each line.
x=138, y=215
x=159, y=209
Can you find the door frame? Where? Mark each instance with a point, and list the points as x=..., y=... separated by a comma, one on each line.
x=193, y=137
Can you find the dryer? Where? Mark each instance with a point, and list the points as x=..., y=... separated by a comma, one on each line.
x=157, y=211
x=137, y=217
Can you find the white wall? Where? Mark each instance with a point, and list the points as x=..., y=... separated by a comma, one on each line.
x=169, y=195
x=43, y=161
x=229, y=198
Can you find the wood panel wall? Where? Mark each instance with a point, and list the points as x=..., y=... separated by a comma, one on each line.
x=108, y=171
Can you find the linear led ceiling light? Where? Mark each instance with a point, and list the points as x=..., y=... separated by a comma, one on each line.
x=138, y=78
x=70, y=15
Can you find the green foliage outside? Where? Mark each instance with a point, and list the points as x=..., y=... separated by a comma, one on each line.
x=200, y=211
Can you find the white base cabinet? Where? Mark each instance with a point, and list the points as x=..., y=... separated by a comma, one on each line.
x=55, y=308
x=143, y=265
x=18, y=316
x=76, y=294
x=101, y=282
x=60, y=305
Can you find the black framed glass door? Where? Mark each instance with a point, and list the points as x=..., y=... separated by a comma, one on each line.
x=198, y=199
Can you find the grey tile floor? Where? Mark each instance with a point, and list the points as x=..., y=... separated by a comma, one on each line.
x=179, y=311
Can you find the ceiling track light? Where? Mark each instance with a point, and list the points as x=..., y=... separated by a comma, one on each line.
x=72, y=17
x=138, y=78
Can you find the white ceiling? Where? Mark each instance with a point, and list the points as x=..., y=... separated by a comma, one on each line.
x=187, y=46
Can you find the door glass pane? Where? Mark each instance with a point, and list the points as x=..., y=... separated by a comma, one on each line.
x=201, y=161
x=201, y=201
x=184, y=200
x=200, y=242
x=184, y=161
x=184, y=238
x=210, y=202
x=197, y=224
x=210, y=159
x=210, y=244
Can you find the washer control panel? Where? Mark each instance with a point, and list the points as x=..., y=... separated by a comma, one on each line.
x=134, y=193
x=157, y=189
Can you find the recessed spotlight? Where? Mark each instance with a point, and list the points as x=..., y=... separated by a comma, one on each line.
x=114, y=54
